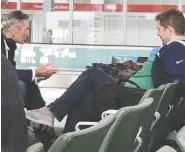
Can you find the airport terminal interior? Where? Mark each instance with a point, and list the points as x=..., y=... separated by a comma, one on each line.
x=73, y=34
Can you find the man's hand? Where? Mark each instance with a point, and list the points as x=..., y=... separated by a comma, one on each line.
x=46, y=70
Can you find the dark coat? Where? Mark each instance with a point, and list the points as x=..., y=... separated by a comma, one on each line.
x=14, y=133
x=24, y=75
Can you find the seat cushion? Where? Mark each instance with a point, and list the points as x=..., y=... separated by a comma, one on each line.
x=166, y=149
x=36, y=148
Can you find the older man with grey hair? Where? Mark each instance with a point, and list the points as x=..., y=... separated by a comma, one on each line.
x=16, y=29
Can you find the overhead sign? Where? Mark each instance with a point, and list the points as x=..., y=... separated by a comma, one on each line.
x=91, y=7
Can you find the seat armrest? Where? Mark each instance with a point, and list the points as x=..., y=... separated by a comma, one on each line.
x=84, y=123
x=38, y=147
x=108, y=112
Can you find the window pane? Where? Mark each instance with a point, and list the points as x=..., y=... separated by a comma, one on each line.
x=141, y=25
x=93, y=21
x=58, y=22
x=49, y=24
x=98, y=22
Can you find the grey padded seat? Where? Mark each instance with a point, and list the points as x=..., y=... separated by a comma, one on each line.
x=180, y=139
x=123, y=134
x=147, y=122
x=86, y=140
x=162, y=127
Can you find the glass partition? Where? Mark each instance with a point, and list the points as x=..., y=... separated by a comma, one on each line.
x=95, y=22
x=74, y=57
x=141, y=24
x=52, y=22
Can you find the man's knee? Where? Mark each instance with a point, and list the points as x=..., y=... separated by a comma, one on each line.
x=22, y=86
x=93, y=70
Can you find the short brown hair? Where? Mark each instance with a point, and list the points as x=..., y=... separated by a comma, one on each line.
x=14, y=17
x=173, y=18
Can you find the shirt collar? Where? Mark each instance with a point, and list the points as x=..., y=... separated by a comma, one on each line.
x=6, y=48
x=174, y=41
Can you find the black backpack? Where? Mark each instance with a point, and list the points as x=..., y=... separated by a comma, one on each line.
x=110, y=96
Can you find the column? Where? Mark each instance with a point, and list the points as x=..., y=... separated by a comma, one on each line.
x=71, y=10
x=180, y=2
x=125, y=2
x=19, y=4
x=48, y=6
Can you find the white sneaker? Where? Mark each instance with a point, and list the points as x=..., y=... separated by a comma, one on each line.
x=37, y=117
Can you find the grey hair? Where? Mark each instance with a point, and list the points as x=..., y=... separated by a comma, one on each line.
x=14, y=18
x=6, y=24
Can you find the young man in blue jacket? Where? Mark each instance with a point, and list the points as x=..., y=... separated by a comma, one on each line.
x=169, y=63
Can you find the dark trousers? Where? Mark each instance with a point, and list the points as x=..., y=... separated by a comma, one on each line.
x=72, y=100
x=86, y=112
x=31, y=95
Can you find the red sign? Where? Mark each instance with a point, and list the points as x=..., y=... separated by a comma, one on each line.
x=9, y=5
x=39, y=6
x=32, y=6
x=61, y=7
x=92, y=7
x=149, y=8
x=112, y=8
x=88, y=7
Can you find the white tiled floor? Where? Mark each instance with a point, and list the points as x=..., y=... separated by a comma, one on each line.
x=49, y=95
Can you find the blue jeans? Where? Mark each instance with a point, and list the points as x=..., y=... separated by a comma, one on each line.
x=74, y=95
x=22, y=86
x=31, y=95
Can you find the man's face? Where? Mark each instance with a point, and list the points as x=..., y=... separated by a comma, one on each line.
x=163, y=33
x=22, y=32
